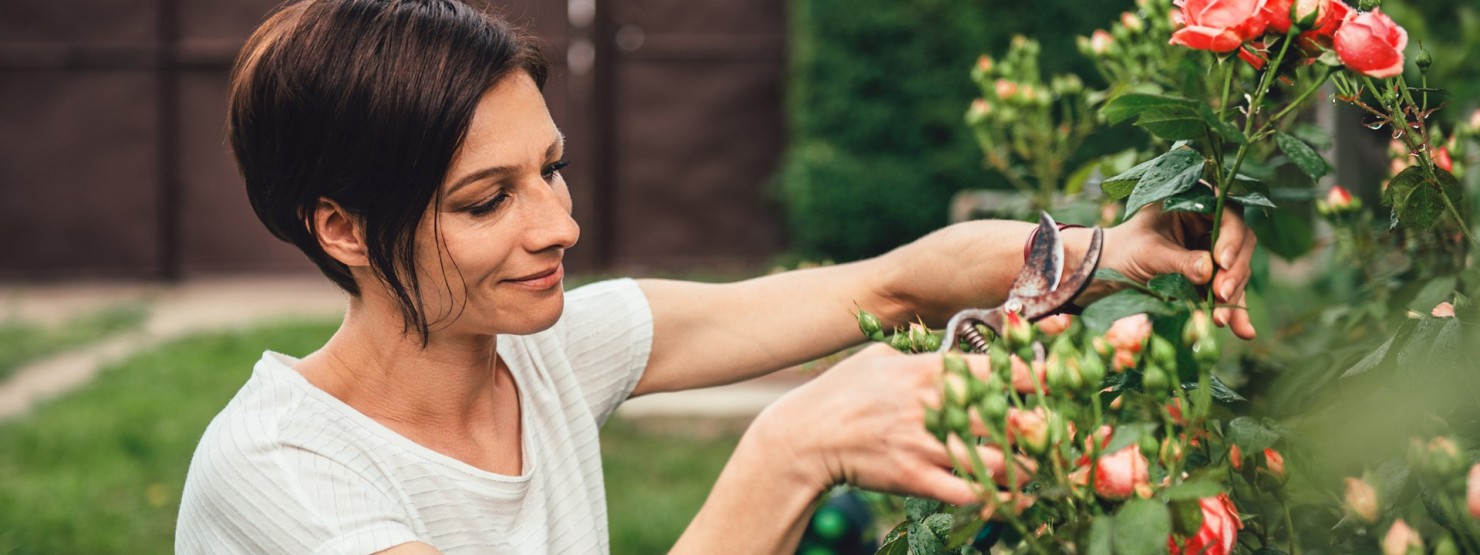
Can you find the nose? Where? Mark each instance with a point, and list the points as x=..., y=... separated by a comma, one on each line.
x=549, y=220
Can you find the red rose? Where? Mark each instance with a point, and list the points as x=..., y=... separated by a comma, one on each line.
x=1328, y=20
x=1219, y=25
x=1442, y=159
x=1370, y=43
x=1308, y=14
x=1219, y=530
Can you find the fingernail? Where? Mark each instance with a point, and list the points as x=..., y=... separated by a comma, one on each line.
x=1226, y=291
x=1201, y=267
x=1223, y=258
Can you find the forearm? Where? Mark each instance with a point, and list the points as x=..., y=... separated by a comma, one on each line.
x=760, y=504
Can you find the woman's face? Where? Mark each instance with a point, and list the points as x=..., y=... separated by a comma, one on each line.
x=504, y=220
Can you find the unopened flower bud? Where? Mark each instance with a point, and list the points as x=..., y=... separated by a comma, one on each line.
x=869, y=324
x=1236, y=457
x=1475, y=120
x=1091, y=369
x=1171, y=451
x=1402, y=540
x=1424, y=60
x=1443, y=310
x=1129, y=333
x=1275, y=463
x=1101, y=42
x=1472, y=491
x=1200, y=325
x=1055, y=325
x=900, y=341
x=1338, y=201
x=1029, y=429
x=1019, y=332
x=984, y=63
x=1162, y=351
x=1441, y=456
x=1155, y=381
x=1006, y=90
x=980, y=110
x=1361, y=500
x=1442, y=159
x=957, y=421
x=1206, y=351
x=1446, y=546
x=1132, y=22
x=1368, y=5
x=992, y=407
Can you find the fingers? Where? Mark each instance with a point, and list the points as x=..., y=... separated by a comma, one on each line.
x=1241, y=325
x=993, y=462
x=939, y=483
x=1233, y=238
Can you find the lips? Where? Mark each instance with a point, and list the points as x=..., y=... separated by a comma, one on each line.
x=541, y=280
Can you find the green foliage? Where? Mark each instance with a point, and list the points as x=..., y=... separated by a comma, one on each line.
x=875, y=98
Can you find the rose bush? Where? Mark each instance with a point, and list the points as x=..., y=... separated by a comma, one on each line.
x=1371, y=44
x=1219, y=25
x=1219, y=532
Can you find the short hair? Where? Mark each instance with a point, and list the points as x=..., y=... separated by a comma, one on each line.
x=365, y=102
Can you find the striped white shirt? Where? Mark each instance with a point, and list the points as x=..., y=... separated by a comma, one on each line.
x=288, y=468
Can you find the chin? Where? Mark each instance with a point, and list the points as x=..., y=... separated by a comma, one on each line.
x=536, y=318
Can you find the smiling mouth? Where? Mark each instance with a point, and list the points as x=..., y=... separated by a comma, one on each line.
x=542, y=280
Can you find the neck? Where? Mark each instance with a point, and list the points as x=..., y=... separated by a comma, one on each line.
x=448, y=385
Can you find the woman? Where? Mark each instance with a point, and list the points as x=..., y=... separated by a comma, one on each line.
x=404, y=146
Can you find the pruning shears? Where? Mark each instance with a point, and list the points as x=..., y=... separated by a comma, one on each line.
x=1041, y=288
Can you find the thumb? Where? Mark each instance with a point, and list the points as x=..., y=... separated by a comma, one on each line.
x=1197, y=266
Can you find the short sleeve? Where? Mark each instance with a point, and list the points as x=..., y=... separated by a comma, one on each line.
x=251, y=496
x=607, y=329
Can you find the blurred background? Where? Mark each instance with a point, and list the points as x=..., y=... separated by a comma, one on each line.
x=709, y=139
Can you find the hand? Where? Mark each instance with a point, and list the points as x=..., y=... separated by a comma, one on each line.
x=1153, y=242
x=863, y=422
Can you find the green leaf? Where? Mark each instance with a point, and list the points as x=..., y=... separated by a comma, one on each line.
x=1120, y=185
x=897, y=546
x=1194, y=490
x=1251, y=435
x=1417, y=201
x=923, y=541
x=1221, y=392
x=1375, y=358
x=1167, y=117
x=1098, y=316
x=1101, y=536
x=1187, y=517
x=1177, y=171
x=917, y=508
x=1224, y=129
x=1198, y=200
x=1142, y=528
x=1309, y=161
x=1316, y=135
x=1127, y=435
x=1173, y=286
x=1249, y=192
x=964, y=527
x=1433, y=293
x=1127, y=106
x=1108, y=274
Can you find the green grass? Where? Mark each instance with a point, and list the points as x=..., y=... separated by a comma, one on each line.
x=22, y=342
x=100, y=470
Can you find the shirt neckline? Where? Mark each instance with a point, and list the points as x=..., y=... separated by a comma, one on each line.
x=282, y=363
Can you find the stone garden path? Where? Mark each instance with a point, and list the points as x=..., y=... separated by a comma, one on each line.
x=205, y=305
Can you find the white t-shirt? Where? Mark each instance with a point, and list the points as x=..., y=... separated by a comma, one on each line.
x=288, y=468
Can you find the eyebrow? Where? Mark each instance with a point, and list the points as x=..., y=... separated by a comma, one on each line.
x=501, y=171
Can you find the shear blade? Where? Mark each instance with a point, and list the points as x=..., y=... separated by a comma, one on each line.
x=1045, y=265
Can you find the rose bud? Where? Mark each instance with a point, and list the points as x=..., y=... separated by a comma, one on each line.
x=1005, y=89
x=1219, y=25
x=1132, y=22
x=1200, y=325
x=1443, y=310
x=1101, y=347
x=1442, y=159
x=1100, y=42
x=1129, y=333
x=1018, y=331
x=1338, y=201
x=1171, y=451
x=869, y=324
x=992, y=408
x=1401, y=540
x=1174, y=411
x=1155, y=381
x=1472, y=491
x=1446, y=546
x=1276, y=14
x=1162, y=351
x=1475, y=120
x=900, y=341
x=1236, y=457
x=1361, y=500
x=979, y=111
x=984, y=63
x=1091, y=369
x=1029, y=429
x=1116, y=475
x=1275, y=462
x=1219, y=531
x=1124, y=360
x=1056, y=324
x=1371, y=44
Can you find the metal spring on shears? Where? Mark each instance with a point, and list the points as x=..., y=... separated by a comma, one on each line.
x=967, y=330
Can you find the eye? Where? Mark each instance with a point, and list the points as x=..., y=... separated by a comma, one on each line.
x=487, y=207
x=549, y=172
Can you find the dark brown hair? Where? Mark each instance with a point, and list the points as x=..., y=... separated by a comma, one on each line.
x=364, y=102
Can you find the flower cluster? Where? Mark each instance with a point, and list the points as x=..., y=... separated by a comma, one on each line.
x=1369, y=43
x=1451, y=484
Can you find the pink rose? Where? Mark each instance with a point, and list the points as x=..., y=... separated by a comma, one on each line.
x=1475, y=120
x=1370, y=43
x=1132, y=22
x=1056, y=324
x=1401, y=540
x=1279, y=14
x=1100, y=42
x=1118, y=474
x=1472, y=491
x=1235, y=457
x=1443, y=310
x=1361, y=500
x=1327, y=22
x=984, y=63
x=1219, y=532
x=1005, y=89
x=1219, y=25
x=1129, y=333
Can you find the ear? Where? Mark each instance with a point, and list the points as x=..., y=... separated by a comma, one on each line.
x=340, y=233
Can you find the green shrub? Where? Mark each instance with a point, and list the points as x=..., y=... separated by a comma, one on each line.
x=877, y=93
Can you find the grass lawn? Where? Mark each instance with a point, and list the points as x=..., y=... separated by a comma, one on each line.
x=22, y=342
x=100, y=470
